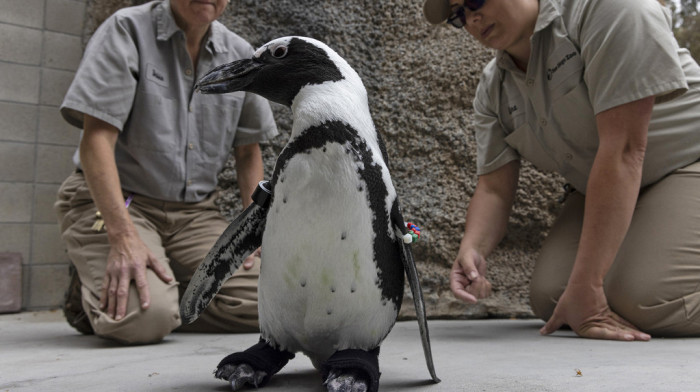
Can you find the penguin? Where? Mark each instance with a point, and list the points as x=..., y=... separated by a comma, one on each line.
x=333, y=239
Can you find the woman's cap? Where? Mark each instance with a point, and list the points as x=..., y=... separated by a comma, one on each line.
x=436, y=11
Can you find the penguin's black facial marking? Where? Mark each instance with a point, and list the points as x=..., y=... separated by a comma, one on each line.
x=287, y=68
x=276, y=73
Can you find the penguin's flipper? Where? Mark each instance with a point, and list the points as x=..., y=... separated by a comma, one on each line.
x=412, y=275
x=238, y=241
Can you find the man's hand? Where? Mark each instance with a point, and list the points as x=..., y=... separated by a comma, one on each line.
x=585, y=309
x=468, y=277
x=249, y=261
x=127, y=261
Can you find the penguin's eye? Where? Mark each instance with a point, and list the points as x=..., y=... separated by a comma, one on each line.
x=279, y=52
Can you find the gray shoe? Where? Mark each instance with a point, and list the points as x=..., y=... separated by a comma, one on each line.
x=73, y=305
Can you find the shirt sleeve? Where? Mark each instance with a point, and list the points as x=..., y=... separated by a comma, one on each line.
x=492, y=151
x=105, y=82
x=256, y=123
x=629, y=52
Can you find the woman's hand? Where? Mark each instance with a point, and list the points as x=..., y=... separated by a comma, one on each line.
x=485, y=226
x=585, y=309
x=468, y=277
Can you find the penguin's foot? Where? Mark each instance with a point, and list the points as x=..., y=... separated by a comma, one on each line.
x=253, y=366
x=240, y=375
x=352, y=370
x=351, y=381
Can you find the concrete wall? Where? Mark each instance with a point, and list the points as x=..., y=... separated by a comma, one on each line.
x=40, y=49
x=420, y=80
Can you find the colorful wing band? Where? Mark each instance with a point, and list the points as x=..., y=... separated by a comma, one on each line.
x=413, y=233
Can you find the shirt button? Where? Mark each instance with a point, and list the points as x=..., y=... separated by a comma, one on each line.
x=188, y=72
x=569, y=156
x=543, y=122
x=190, y=146
x=530, y=82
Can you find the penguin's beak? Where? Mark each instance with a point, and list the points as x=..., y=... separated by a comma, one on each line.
x=226, y=78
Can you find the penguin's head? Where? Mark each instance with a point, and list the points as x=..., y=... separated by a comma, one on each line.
x=278, y=70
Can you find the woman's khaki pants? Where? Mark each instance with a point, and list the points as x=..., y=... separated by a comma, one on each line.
x=655, y=280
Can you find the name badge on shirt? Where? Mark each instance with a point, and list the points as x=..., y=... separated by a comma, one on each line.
x=512, y=107
x=156, y=76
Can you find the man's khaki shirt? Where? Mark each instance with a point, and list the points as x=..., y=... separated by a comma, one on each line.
x=137, y=75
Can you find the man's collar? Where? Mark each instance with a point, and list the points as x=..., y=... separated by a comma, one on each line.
x=165, y=22
x=166, y=27
x=217, y=32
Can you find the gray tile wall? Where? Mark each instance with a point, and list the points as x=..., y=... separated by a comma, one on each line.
x=40, y=49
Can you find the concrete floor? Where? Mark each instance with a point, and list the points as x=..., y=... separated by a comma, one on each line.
x=40, y=352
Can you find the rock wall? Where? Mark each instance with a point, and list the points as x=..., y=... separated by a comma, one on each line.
x=421, y=81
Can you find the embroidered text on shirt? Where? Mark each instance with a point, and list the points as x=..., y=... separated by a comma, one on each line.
x=158, y=76
x=551, y=71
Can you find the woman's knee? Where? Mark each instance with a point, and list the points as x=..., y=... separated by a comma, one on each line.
x=654, y=308
x=556, y=258
x=544, y=294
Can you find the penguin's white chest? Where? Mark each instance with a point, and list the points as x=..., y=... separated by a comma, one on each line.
x=319, y=287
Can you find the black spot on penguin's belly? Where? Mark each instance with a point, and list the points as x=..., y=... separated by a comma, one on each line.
x=386, y=251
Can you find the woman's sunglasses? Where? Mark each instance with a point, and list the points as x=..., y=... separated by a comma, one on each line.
x=459, y=16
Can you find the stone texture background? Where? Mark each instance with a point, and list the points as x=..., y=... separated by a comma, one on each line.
x=421, y=81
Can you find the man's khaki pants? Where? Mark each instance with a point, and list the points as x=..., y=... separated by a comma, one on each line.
x=179, y=235
x=654, y=282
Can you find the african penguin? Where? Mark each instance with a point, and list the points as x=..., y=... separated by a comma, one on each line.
x=333, y=256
